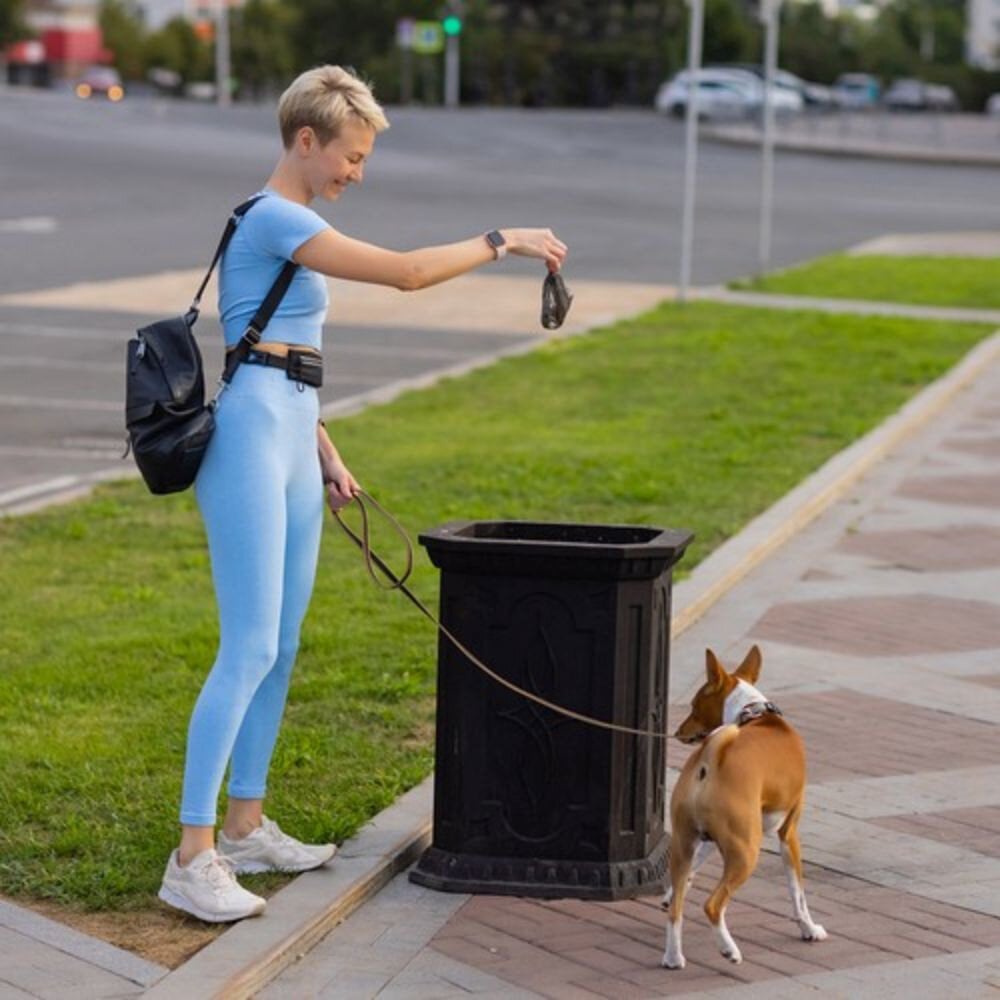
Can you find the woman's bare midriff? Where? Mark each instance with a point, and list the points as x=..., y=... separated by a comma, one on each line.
x=281, y=350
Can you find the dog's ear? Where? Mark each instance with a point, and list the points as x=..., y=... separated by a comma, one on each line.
x=749, y=669
x=714, y=671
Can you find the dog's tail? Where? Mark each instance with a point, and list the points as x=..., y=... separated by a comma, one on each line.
x=714, y=751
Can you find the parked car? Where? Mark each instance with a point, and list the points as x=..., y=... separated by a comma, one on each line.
x=720, y=96
x=941, y=98
x=905, y=95
x=100, y=81
x=812, y=94
x=915, y=95
x=726, y=92
x=993, y=104
x=856, y=91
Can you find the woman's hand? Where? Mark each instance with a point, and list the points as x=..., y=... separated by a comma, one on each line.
x=541, y=243
x=341, y=487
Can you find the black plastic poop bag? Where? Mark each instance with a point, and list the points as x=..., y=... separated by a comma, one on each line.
x=556, y=300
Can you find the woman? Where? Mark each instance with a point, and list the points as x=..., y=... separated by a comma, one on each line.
x=260, y=487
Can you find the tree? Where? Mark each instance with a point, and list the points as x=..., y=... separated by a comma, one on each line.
x=262, y=49
x=12, y=26
x=123, y=33
x=176, y=46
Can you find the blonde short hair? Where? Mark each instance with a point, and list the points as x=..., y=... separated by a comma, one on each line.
x=323, y=99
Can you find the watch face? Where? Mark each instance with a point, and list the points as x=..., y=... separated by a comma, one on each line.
x=495, y=239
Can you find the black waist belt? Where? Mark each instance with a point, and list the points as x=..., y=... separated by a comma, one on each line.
x=300, y=366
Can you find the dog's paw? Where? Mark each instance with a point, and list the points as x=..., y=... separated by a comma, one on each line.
x=667, y=897
x=733, y=954
x=669, y=961
x=814, y=932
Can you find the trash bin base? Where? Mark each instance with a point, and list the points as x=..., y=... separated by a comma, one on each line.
x=541, y=878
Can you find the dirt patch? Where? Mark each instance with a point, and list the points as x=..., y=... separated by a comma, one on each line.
x=158, y=935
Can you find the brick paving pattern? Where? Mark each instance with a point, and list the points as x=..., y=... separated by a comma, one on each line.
x=880, y=628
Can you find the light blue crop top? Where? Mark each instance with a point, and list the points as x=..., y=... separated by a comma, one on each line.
x=270, y=232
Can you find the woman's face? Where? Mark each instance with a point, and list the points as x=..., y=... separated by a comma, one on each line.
x=341, y=161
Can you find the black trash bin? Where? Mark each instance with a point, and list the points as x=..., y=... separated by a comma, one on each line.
x=527, y=801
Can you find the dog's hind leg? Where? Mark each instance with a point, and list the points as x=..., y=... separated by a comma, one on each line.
x=739, y=858
x=701, y=852
x=682, y=848
x=791, y=855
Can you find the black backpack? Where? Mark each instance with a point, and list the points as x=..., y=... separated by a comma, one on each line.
x=169, y=423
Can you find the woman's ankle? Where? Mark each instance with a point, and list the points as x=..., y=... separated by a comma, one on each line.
x=194, y=841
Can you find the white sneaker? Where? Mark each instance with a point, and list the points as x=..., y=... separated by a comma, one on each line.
x=268, y=849
x=207, y=889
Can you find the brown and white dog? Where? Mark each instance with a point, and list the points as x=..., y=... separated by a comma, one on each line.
x=747, y=779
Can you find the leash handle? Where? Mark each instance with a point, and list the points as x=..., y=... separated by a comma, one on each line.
x=363, y=541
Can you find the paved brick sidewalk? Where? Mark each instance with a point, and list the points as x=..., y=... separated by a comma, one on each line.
x=880, y=626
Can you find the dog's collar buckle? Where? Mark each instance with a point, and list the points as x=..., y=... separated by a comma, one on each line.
x=756, y=710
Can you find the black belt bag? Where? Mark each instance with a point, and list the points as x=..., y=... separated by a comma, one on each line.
x=304, y=367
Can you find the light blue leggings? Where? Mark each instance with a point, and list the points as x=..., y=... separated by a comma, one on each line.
x=261, y=495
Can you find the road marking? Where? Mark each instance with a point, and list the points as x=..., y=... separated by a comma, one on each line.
x=29, y=224
x=27, y=492
x=69, y=332
x=26, y=451
x=50, y=403
x=62, y=364
x=57, y=364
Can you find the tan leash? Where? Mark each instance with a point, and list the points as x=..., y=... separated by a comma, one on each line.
x=372, y=560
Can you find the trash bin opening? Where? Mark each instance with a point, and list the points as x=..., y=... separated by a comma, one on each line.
x=590, y=534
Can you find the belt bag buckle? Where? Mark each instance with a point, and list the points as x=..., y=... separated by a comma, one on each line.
x=305, y=367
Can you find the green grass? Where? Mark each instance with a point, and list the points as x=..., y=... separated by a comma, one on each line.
x=696, y=417
x=969, y=282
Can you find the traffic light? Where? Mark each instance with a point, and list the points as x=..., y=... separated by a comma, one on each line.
x=452, y=24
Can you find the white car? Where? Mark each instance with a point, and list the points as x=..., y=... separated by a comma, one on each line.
x=719, y=96
x=993, y=105
x=725, y=93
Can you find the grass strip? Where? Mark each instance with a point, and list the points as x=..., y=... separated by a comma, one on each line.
x=965, y=282
x=695, y=416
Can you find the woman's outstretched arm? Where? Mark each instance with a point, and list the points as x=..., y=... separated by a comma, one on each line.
x=339, y=256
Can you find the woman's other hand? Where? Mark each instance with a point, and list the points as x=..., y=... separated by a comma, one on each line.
x=540, y=243
x=341, y=487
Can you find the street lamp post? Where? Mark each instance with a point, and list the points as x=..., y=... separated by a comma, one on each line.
x=696, y=26
x=769, y=15
x=222, y=65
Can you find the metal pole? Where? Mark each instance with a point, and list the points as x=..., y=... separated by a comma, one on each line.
x=695, y=32
x=222, y=67
x=452, y=68
x=769, y=15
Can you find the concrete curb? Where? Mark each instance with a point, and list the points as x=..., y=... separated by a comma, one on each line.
x=864, y=150
x=247, y=957
x=851, y=307
x=252, y=953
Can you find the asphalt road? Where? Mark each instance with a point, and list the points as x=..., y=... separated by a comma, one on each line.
x=92, y=192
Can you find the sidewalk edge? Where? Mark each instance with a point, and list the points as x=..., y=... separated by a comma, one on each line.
x=820, y=146
x=247, y=957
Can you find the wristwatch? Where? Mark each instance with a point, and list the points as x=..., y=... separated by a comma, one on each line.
x=497, y=244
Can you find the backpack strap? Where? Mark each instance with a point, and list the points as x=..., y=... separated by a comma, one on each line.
x=192, y=314
x=256, y=326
